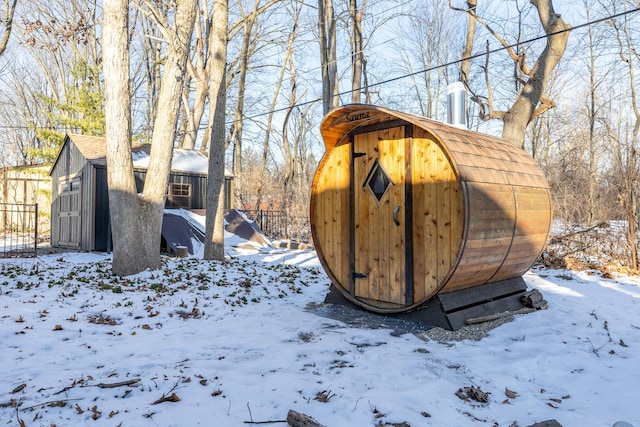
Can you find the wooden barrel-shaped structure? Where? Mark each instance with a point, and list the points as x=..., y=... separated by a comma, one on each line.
x=404, y=208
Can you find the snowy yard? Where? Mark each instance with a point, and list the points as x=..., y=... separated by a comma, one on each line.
x=211, y=344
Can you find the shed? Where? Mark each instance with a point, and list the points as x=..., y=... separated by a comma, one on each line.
x=404, y=208
x=80, y=205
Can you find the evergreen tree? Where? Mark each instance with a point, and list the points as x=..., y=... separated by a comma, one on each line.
x=80, y=111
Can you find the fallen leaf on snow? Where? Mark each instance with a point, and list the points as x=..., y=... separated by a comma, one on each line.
x=473, y=393
x=19, y=388
x=173, y=398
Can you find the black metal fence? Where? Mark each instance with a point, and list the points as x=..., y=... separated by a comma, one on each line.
x=281, y=225
x=18, y=230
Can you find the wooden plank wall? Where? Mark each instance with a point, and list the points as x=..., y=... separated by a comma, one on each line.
x=534, y=217
x=437, y=216
x=330, y=213
x=490, y=226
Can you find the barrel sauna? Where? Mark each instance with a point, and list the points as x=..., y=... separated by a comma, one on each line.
x=404, y=208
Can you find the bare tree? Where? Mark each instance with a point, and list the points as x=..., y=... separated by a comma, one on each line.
x=194, y=99
x=146, y=72
x=7, y=15
x=627, y=158
x=60, y=39
x=328, y=58
x=593, y=111
x=199, y=76
x=531, y=81
x=430, y=38
x=287, y=62
x=214, y=227
x=357, y=47
x=122, y=191
x=23, y=112
x=248, y=48
x=136, y=220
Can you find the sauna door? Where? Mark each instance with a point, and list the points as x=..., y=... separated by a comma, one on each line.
x=379, y=254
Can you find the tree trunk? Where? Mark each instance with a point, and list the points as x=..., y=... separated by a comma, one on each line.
x=328, y=58
x=356, y=50
x=591, y=114
x=136, y=221
x=465, y=71
x=522, y=111
x=295, y=14
x=200, y=78
x=8, y=24
x=632, y=173
x=530, y=101
x=245, y=54
x=214, y=223
x=123, y=201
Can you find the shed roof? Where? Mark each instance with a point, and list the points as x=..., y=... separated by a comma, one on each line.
x=475, y=156
x=94, y=149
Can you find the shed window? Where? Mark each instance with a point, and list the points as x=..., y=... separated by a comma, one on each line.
x=69, y=185
x=179, y=195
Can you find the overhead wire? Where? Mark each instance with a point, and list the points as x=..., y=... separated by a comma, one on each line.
x=429, y=69
x=303, y=33
x=450, y=63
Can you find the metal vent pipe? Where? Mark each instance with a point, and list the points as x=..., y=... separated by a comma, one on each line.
x=457, y=105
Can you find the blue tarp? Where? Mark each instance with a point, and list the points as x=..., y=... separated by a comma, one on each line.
x=177, y=231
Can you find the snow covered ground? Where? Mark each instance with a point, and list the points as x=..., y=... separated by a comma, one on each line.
x=223, y=344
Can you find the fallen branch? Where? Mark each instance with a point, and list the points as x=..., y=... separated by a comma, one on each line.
x=601, y=224
x=297, y=419
x=101, y=385
x=119, y=384
x=60, y=402
x=64, y=389
x=593, y=348
x=261, y=422
x=481, y=319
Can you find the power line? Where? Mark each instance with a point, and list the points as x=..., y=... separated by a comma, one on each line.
x=448, y=64
x=426, y=70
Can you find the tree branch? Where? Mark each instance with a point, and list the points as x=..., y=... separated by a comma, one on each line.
x=153, y=13
x=517, y=58
x=545, y=104
x=486, y=110
x=11, y=9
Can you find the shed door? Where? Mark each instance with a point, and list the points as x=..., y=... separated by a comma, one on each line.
x=379, y=253
x=69, y=213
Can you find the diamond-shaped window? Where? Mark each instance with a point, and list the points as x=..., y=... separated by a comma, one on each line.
x=378, y=181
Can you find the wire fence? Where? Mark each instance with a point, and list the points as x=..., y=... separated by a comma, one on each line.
x=281, y=225
x=18, y=230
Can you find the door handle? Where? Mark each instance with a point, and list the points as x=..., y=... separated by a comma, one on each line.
x=395, y=215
